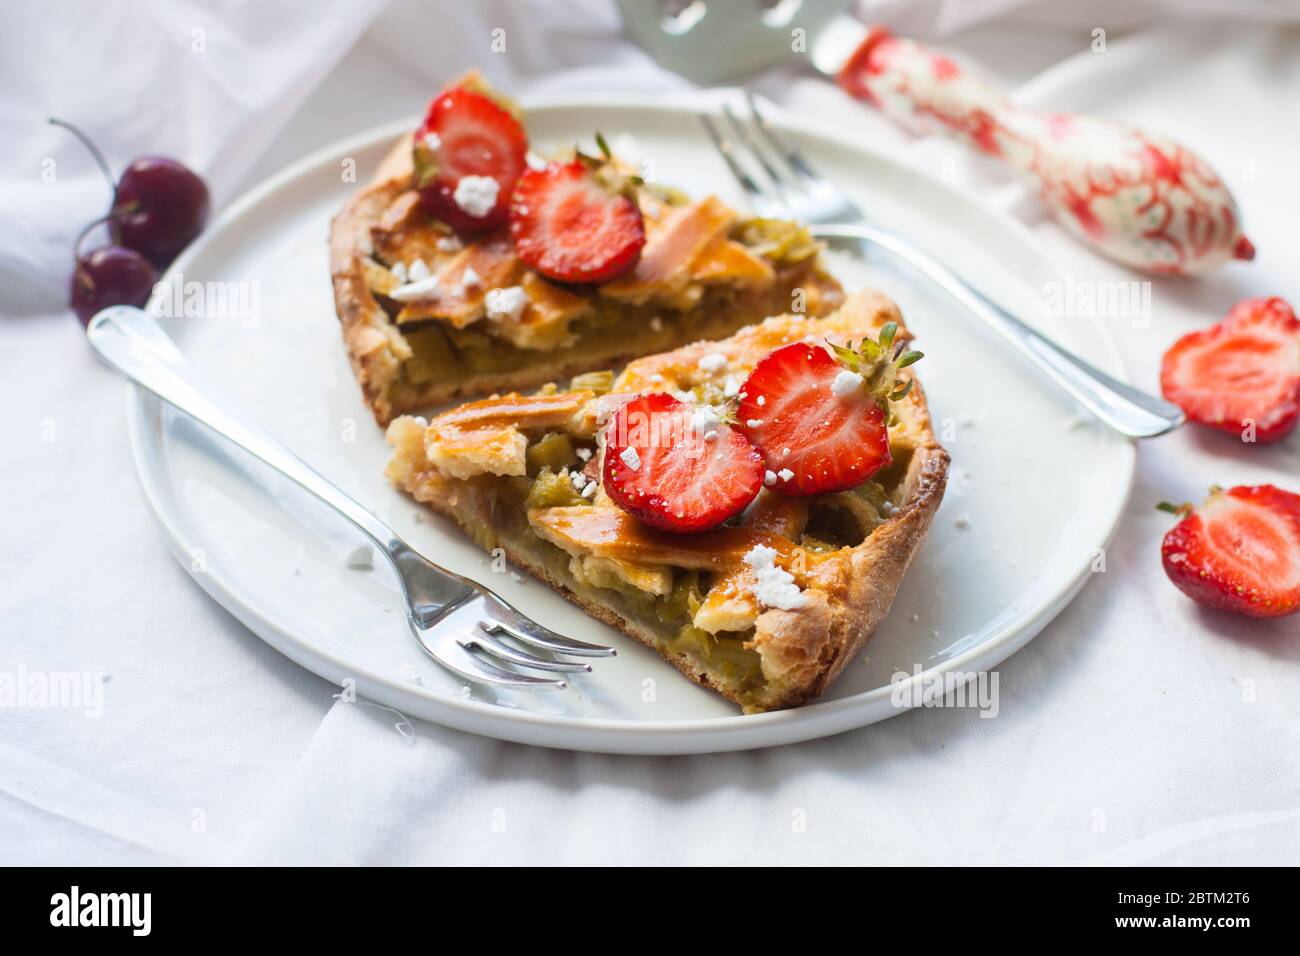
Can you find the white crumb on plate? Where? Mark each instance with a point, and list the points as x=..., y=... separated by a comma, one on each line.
x=959, y=480
x=773, y=586
x=360, y=558
x=962, y=522
x=476, y=195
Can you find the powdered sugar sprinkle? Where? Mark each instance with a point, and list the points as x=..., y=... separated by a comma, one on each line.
x=773, y=586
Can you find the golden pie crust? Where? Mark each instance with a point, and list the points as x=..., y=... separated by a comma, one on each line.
x=464, y=462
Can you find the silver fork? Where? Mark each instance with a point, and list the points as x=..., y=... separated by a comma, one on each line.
x=780, y=182
x=460, y=623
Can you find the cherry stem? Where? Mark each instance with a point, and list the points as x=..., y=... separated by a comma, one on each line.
x=89, y=227
x=94, y=151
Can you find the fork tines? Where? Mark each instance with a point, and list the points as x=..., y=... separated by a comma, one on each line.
x=482, y=639
x=774, y=174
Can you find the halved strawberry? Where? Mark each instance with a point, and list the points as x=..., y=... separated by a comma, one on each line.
x=1240, y=551
x=468, y=154
x=1245, y=369
x=821, y=420
x=661, y=469
x=577, y=221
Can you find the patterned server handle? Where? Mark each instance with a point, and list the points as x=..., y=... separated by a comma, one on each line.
x=1142, y=200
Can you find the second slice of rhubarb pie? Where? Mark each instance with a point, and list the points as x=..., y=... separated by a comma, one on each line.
x=747, y=508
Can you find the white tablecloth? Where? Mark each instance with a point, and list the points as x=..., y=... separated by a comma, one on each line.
x=1136, y=728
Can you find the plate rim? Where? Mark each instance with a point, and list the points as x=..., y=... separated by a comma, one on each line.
x=732, y=732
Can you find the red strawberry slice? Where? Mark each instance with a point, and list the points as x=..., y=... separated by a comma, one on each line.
x=821, y=422
x=468, y=154
x=572, y=224
x=667, y=473
x=1240, y=551
x=1245, y=369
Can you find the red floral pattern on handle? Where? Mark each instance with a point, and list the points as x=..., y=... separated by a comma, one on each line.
x=1142, y=200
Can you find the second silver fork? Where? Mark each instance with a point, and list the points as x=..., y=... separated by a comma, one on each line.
x=780, y=182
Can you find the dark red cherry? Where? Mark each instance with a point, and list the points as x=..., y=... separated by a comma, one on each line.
x=160, y=206
x=111, y=275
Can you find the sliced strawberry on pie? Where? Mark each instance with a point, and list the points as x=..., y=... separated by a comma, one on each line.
x=1244, y=370
x=1239, y=552
x=821, y=420
x=578, y=221
x=663, y=469
x=468, y=155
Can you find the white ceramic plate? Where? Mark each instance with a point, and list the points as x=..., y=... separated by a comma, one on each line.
x=1035, y=490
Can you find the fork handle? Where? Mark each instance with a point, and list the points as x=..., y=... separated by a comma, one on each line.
x=1126, y=409
x=132, y=341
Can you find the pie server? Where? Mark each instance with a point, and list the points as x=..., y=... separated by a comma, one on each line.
x=1135, y=197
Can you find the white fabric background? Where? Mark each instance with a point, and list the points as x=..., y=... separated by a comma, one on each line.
x=1135, y=729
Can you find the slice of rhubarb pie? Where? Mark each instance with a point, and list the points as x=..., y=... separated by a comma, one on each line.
x=470, y=265
x=745, y=507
